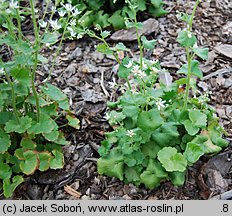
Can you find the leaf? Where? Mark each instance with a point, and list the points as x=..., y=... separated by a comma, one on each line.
x=186, y=38
x=27, y=143
x=157, y=3
x=198, y=118
x=111, y=165
x=87, y=19
x=30, y=162
x=148, y=44
x=19, y=127
x=150, y=120
x=195, y=70
x=5, y=117
x=50, y=38
x=58, y=161
x=9, y=187
x=73, y=121
x=121, y=47
x=171, y=160
x=177, y=178
x=157, y=12
x=61, y=140
x=105, y=34
x=45, y=125
x=117, y=20
x=149, y=179
x=50, y=109
x=131, y=111
x=64, y=104
x=21, y=74
x=102, y=20
x=116, y=117
x=52, y=136
x=5, y=171
x=166, y=135
x=53, y=92
x=193, y=152
x=44, y=160
x=5, y=141
x=190, y=128
x=104, y=148
x=102, y=48
x=132, y=175
x=150, y=149
x=123, y=72
x=201, y=52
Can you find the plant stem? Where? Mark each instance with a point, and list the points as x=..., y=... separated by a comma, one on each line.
x=189, y=57
x=19, y=24
x=36, y=59
x=188, y=78
x=13, y=97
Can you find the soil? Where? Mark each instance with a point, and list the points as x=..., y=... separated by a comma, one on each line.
x=89, y=77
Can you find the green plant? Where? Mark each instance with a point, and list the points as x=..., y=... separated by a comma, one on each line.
x=30, y=138
x=158, y=132
x=110, y=12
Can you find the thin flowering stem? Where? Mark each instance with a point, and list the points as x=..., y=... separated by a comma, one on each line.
x=59, y=48
x=189, y=57
x=36, y=59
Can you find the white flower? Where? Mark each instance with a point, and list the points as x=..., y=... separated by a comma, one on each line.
x=130, y=133
x=69, y=7
x=73, y=22
x=13, y=4
x=43, y=24
x=144, y=65
x=53, y=8
x=61, y=13
x=2, y=71
x=76, y=12
x=54, y=24
x=189, y=35
x=135, y=69
x=72, y=33
x=160, y=104
x=107, y=116
x=129, y=65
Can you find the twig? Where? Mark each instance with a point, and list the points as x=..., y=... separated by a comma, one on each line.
x=102, y=85
x=225, y=196
x=220, y=71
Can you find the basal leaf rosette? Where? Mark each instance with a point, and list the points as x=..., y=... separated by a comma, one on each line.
x=10, y=185
x=112, y=165
x=171, y=160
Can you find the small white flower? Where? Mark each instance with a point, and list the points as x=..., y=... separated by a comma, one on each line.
x=130, y=133
x=144, y=65
x=76, y=12
x=72, y=33
x=160, y=104
x=135, y=69
x=69, y=7
x=2, y=71
x=61, y=13
x=107, y=116
x=195, y=45
x=129, y=65
x=53, y=8
x=73, y=22
x=43, y=24
x=189, y=35
x=54, y=24
x=13, y=4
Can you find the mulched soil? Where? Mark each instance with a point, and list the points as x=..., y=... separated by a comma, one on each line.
x=88, y=78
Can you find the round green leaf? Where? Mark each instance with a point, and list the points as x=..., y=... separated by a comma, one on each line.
x=57, y=162
x=73, y=121
x=150, y=120
x=30, y=163
x=5, y=142
x=27, y=144
x=198, y=118
x=53, y=92
x=44, y=160
x=193, y=152
x=52, y=136
x=5, y=171
x=186, y=38
x=19, y=127
x=9, y=187
x=171, y=160
x=177, y=178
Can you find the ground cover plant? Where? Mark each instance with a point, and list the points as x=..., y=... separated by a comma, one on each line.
x=159, y=129
x=30, y=137
x=111, y=13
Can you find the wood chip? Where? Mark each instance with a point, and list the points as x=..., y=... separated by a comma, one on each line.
x=72, y=192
